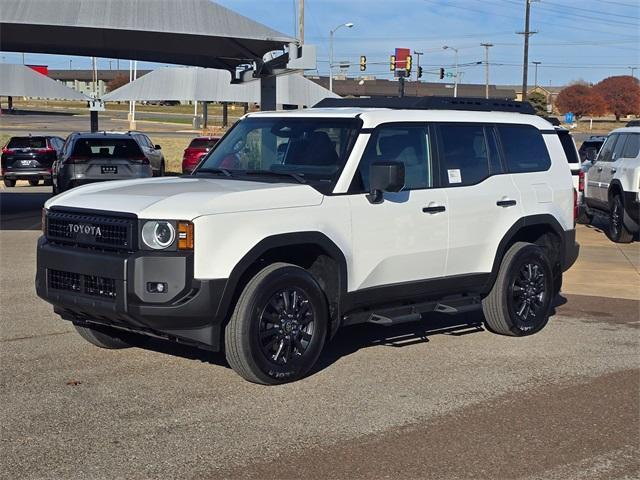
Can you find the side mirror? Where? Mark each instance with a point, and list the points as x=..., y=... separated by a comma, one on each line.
x=157, y=147
x=385, y=177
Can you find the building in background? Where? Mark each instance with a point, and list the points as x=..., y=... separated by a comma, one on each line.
x=82, y=80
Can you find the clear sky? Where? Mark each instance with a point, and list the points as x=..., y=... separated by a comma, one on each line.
x=576, y=39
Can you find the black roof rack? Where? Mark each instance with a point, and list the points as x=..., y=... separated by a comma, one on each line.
x=431, y=103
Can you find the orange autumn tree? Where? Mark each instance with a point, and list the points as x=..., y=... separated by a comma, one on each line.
x=581, y=100
x=621, y=94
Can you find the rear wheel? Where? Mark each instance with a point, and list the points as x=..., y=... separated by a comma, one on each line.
x=617, y=230
x=9, y=183
x=34, y=183
x=520, y=300
x=104, y=337
x=279, y=326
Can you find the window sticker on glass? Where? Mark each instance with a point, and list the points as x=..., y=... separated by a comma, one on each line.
x=454, y=175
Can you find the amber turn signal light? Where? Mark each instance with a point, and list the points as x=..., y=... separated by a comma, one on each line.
x=185, y=235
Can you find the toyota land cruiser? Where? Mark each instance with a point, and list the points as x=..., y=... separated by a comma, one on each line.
x=297, y=223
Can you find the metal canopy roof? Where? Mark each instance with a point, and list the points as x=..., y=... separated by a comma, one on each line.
x=21, y=81
x=184, y=32
x=203, y=84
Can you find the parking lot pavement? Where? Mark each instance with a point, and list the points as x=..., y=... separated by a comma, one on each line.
x=439, y=399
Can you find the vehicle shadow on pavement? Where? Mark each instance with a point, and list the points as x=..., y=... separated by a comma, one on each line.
x=6, y=111
x=351, y=339
x=21, y=211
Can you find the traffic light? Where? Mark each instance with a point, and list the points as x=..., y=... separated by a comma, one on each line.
x=392, y=63
x=419, y=72
x=363, y=63
x=407, y=63
x=441, y=73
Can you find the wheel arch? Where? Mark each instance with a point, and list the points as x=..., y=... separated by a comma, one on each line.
x=543, y=230
x=311, y=250
x=615, y=188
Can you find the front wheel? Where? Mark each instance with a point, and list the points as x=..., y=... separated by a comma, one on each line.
x=617, y=230
x=9, y=183
x=279, y=326
x=520, y=301
x=34, y=183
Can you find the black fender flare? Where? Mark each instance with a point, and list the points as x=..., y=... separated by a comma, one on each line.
x=545, y=220
x=313, y=238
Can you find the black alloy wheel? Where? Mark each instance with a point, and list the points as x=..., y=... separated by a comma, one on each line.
x=287, y=326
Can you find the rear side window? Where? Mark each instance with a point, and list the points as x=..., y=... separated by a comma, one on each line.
x=27, y=142
x=524, y=149
x=203, y=143
x=632, y=147
x=607, y=149
x=107, y=148
x=568, y=146
x=466, y=154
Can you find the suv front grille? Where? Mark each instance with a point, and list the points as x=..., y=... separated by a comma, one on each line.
x=91, y=230
x=87, y=284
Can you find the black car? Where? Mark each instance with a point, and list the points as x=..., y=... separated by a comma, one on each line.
x=590, y=147
x=30, y=158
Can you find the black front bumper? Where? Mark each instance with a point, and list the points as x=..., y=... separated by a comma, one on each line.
x=108, y=288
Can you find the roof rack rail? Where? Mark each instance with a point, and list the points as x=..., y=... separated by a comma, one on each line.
x=431, y=103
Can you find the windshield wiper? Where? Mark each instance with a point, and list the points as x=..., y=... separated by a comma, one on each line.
x=297, y=176
x=224, y=171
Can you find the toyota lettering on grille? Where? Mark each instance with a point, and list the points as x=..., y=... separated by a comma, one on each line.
x=85, y=229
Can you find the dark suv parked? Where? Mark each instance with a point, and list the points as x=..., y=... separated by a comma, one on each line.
x=30, y=158
x=98, y=157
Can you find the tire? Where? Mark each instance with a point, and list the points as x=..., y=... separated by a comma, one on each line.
x=160, y=172
x=105, y=338
x=263, y=339
x=48, y=183
x=617, y=230
x=528, y=266
x=9, y=183
x=584, y=216
x=34, y=183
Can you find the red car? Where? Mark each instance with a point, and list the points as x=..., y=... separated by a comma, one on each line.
x=198, y=147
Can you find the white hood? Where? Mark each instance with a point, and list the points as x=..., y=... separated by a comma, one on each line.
x=176, y=198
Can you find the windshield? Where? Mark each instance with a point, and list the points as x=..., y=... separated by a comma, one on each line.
x=309, y=149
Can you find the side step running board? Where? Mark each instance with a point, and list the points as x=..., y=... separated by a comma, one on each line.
x=412, y=313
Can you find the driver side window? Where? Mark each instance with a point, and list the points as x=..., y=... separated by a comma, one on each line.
x=393, y=143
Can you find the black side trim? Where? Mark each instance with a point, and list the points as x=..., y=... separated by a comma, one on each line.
x=415, y=291
x=233, y=286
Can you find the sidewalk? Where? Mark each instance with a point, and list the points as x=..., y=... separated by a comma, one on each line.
x=604, y=268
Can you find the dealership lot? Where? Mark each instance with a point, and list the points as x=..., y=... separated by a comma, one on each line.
x=443, y=398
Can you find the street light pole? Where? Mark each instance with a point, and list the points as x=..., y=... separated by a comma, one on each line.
x=455, y=83
x=633, y=69
x=486, y=68
x=535, y=83
x=331, y=32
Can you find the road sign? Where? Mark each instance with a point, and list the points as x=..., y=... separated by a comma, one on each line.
x=568, y=117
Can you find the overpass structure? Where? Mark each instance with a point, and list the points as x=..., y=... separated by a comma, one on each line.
x=186, y=32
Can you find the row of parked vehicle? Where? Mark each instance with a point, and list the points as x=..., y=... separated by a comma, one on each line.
x=90, y=157
x=609, y=181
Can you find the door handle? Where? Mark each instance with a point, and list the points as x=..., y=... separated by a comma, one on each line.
x=434, y=209
x=506, y=203
x=613, y=170
x=599, y=169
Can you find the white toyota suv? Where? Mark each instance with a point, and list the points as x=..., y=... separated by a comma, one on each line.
x=612, y=184
x=298, y=223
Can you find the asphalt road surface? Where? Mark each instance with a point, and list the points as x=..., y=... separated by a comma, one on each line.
x=439, y=399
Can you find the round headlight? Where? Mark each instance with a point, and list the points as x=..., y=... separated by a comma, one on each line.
x=158, y=235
